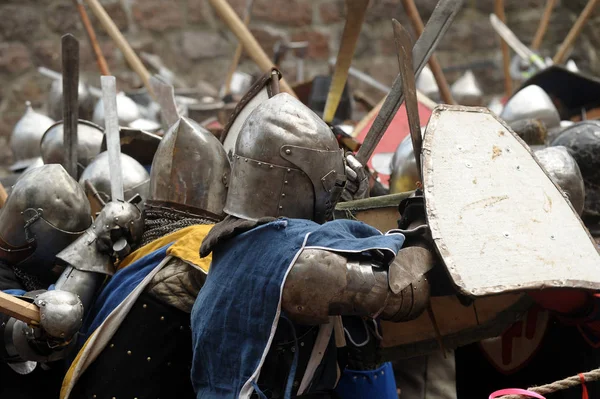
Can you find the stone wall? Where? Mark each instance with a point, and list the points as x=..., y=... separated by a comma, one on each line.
x=193, y=42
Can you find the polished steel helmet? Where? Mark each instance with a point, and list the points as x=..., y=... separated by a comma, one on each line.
x=564, y=171
x=127, y=111
x=26, y=137
x=190, y=171
x=45, y=211
x=136, y=179
x=582, y=139
x=531, y=102
x=427, y=85
x=466, y=90
x=286, y=162
x=89, y=140
x=85, y=100
x=404, y=173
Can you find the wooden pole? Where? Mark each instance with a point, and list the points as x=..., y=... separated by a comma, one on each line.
x=19, y=309
x=499, y=11
x=134, y=61
x=3, y=195
x=560, y=56
x=85, y=20
x=434, y=65
x=543, y=26
x=245, y=37
x=238, y=52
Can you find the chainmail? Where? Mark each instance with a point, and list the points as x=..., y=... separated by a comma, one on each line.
x=31, y=283
x=159, y=221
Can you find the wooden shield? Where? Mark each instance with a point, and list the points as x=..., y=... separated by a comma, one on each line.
x=499, y=223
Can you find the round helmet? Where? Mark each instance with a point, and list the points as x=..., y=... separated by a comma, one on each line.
x=190, y=171
x=531, y=102
x=466, y=90
x=55, y=101
x=582, y=139
x=563, y=170
x=26, y=137
x=45, y=211
x=286, y=162
x=127, y=110
x=136, y=179
x=89, y=140
x=404, y=176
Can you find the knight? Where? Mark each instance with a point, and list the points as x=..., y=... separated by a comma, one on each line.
x=155, y=287
x=45, y=212
x=268, y=318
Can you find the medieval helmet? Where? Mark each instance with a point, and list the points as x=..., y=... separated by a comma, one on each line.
x=531, y=102
x=26, y=137
x=466, y=90
x=136, y=179
x=89, y=140
x=55, y=101
x=286, y=162
x=127, y=111
x=190, y=171
x=405, y=175
x=427, y=85
x=582, y=139
x=45, y=211
x=563, y=170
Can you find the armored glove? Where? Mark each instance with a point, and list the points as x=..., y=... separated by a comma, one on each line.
x=357, y=183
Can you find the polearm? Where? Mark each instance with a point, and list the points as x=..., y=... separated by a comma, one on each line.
x=499, y=10
x=238, y=51
x=89, y=29
x=561, y=54
x=543, y=26
x=253, y=49
x=19, y=309
x=442, y=17
x=434, y=65
x=113, y=31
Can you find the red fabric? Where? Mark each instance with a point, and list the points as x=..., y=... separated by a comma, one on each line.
x=584, y=391
x=395, y=133
x=563, y=301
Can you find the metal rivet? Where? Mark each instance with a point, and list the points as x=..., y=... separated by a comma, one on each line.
x=280, y=207
x=245, y=160
x=285, y=182
x=162, y=318
x=383, y=372
x=270, y=166
x=148, y=358
x=518, y=167
x=112, y=345
x=107, y=226
x=508, y=150
x=116, y=219
x=506, y=235
x=144, y=306
x=301, y=343
x=552, y=237
x=283, y=194
x=288, y=151
x=260, y=163
x=468, y=165
x=129, y=353
x=93, y=396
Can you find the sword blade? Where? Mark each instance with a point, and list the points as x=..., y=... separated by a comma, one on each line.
x=354, y=20
x=442, y=17
x=70, y=85
x=113, y=143
x=513, y=41
x=403, y=48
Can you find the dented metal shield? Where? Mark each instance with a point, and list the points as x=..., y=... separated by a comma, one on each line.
x=498, y=221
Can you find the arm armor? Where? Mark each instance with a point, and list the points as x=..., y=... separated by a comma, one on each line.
x=323, y=283
x=88, y=260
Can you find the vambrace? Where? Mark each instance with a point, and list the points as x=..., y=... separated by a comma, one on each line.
x=323, y=283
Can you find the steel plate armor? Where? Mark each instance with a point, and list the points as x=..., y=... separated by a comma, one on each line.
x=286, y=162
x=89, y=140
x=46, y=211
x=26, y=137
x=136, y=179
x=190, y=171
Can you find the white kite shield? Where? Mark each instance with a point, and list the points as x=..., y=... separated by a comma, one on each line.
x=498, y=222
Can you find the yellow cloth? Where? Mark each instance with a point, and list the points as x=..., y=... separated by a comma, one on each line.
x=186, y=246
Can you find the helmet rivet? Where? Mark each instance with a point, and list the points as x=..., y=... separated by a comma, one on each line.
x=288, y=151
x=270, y=166
x=283, y=194
x=280, y=207
x=289, y=170
x=285, y=182
x=260, y=163
x=245, y=160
